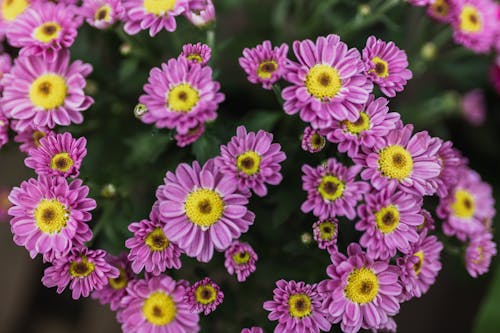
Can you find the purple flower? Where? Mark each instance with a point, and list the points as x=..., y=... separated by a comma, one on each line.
x=10, y=11
x=474, y=107
x=200, y=12
x=58, y=155
x=83, y=269
x=191, y=136
x=386, y=65
x=5, y=66
x=30, y=137
x=240, y=259
x=332, y=190
x=297, y=307
x=157, y=305
x=420, y=2
x=39, y=93
x=440, y=10
x=202, y=209
x=4, y=130
x=451, y=161
x=180, y=95
x=428, y=224
x=251, y=160
x=204, y=296
x=263, y=64
x=479, y=253
x=101, y=14
x=197, y=53
x=254, y=329
x=4, y=203
x=327, y=83
x=389, y=326
x=312, y=140
x=325, y=233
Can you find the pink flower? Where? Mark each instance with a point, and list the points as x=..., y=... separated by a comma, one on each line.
x=101, y=14
x=196, y=53
x=191, y=136
x=479, y=253
x=252, y=330
x=5, y=66
x=312, y=140
x=240, y=259
x=30, y=137
x=203, y=296
x=4, y=130
x=495, y=74
x=10, y=11
x=325, y=233
x=451, y=161
x=420, y=2
x=474, y=107
x=441, y=10
x=200, y=12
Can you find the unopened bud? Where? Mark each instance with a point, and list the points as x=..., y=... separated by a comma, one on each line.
x=306, y=238
x=428, y=51
x=365, y=10
x=108, y=191
x=140, y=110
x=125, y=49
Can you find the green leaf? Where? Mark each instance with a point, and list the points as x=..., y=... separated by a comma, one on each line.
x=261, y=119
x=146, y=147
x=206, y=147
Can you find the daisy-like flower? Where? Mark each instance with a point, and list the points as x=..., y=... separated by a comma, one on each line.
x=389, y=220
x=327, y=83
x=4, y=130
x=251, y=160
x=254, y=329
x=373, y=124
x=467, y=206
x=297, y=307
x=116, y=288
x=312, y=140
x=30, y=137
x=197, y=53
x=332, y=189
x=9, y=11
x=180, y=95
x=49, y=215
x=386, y=65
x=201, y=13
x=362, y=293
x=154, y=15
x=264, y=64
x=325, y=233
x=101, y=14
x=191, y=136
x=420, y=267
x=479, y=253
x=39, y=93
x=5, y=66
x=58, y=155
x=428, y=224
x=474, y=107
x=44, y=30
x=157, y=305
x=204, y=296
x=451, y=161
x=84, y=270
x=440, y=10
x=474, y=24
x=4, y=203
x=240, y=259
x=202, y=209
x=403, y=160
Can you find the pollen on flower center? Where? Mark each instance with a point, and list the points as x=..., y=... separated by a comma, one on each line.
x=156, y=240
x=440, y=7
x=48, y=91
x=82, y=268
x=204, y=207
x=159, y=7
x=418, y=266
x=119, y=282
x=331, y=188
x=362, y=286
x=248, y=162
x=12, y=8
x=103, y=13
x=37, y=135
x=47, y=32
x=360, y=125
x=464, y=205
x=195, y=57
x=61, y=162
x=327, y=230
x=395, y=162
x=381, y=68
x=182, y=98
x=387, y=219
x=50, y=216
x=317, y=141
x=470, y=19
x=323, y=82
x=159, y=309
x=299, y=305
x=241, y=257
x=205, y=294
x=267, y=68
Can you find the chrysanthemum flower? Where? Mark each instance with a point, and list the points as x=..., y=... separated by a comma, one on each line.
x=428, y=224
x=197, y=53
x=451, y=162
x=48, y=214
x=84, y=270
x=251, y=160
x=264, y=64
x=312, y=140
x=204, y=296
x=467, y=206
x=180, y=95
x=4, y=130
x=403, y=160
x=58, y=155
x=154, y=15
x=101, y=14
x=420, y=267
x=202, y=209
x=9, y=11
x=201, y=14
x=332, y=189
x=373, y=124
x=116, y=288
x=240, y=259
x=386, y=65
x=4, y=203
x=327, y=83
x=44, y=29
x=38, y=93
x=191, y=136
x=30, y=137
x=254, y=329
x=479, y=253
x=157, y=305
x=297, y=307
x=5, y=66
x=441, y=10
x=325, y=233
x=474, y=107
x=362, y=293
x=389, y=326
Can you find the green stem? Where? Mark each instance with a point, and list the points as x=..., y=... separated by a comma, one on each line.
x=277, y=93
x=211, y=38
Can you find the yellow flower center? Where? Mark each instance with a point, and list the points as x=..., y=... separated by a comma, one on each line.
x=4, y=200
x=299, y=305
x=418, y=266
x=50, y=216
x=248, y=162
x=12, y=8
x=266, y=69
x=156, y=240
x=204, y=207
x=440, y=7
x=360, y=125
x=195, y=57
x=464, y=205
x=317, y=141
x=182, y=98
x=61, y=162
x=159, y=7
x=387, y=219
x=480, y=252
x=47, y=32
x=323, y=82
x=48, y=91
x=327, y=230
x=119, y=282
x=37, y=136
x=103, y=13
x=241, y=258
x=470, y=19
x=81, y=269
x=331, y=188
x=395, y=162
x=381, y=68
x=159, y=309
x=205, y=294
x=362, y=286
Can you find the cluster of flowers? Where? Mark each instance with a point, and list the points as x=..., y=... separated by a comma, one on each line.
x=396, y=258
